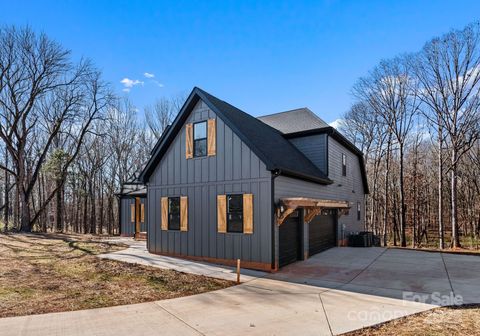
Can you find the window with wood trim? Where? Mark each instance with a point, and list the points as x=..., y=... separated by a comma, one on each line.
x=235, y=213
x=359, y=209
x=344, y=165
x=200, y=139
x=174, y=213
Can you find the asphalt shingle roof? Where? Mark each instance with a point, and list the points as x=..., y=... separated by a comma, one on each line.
x=292, y=121
x=266, y=142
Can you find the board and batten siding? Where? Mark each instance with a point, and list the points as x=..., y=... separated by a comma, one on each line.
x=234, y=169
x=314, y=147
x=344, y=188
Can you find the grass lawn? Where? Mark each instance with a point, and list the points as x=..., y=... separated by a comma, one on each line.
x=447, y=321
x=54, y=273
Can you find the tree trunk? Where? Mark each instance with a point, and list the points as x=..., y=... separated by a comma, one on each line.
x=441, y=228
x=402, y=200
x=7, y=201
x=387, y=175
x=25, y=225
x=453, y=174
x=59, y=205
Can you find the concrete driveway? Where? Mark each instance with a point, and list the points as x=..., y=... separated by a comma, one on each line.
x=390, y=273
x=331, y=293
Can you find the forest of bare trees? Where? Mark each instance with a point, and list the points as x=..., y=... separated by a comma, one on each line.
x=417, y=119
x=67, y=143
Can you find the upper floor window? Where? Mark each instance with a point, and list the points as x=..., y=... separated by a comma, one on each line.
x=174, y=213
x=235, y=213
x=359, y=208
x=344, y=165
x=200, y=139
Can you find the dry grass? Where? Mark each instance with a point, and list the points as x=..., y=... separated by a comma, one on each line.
x=447, y=321
x=54, y=273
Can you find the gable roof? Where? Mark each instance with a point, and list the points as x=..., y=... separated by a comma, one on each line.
x=292, y=121
x=335, y=134
x=267, y=143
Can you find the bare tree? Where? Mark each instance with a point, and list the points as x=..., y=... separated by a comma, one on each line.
x=43, y=95
x=448, y=69
x=162, y=113
x=393, y=94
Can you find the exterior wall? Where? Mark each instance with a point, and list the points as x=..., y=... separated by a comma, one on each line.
x=345, y=188
x=314, y=147
x=128, y=227
x=234, y=169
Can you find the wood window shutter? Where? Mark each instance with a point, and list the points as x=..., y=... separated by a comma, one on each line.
x=184, y=213
x=164, y=213
x=212, y=137
x=222, y=213
x=132, y=213
x=142, y=213
x=248, y=213
x=189, y=141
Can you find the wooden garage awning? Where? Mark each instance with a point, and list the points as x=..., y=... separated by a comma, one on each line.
x=312, y=207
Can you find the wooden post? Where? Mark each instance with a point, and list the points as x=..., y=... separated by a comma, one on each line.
x=238, y=271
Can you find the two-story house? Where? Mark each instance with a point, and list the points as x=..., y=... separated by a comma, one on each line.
x=223, y=185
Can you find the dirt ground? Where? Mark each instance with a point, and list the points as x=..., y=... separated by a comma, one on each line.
x=447, y=321
x=54, y=273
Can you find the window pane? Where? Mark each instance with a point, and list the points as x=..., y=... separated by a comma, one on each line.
x=174, y=213
x=235, y=222
x=235, y=203
x=200, y=130
x=200, y=147
x=235, y=213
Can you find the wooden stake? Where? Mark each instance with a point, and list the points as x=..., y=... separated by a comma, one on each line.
x=238, y=271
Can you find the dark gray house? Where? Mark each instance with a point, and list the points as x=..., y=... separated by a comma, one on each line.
x=223, y=185
x=132, y=210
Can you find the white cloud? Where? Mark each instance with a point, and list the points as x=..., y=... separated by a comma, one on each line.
x=129, y=83
x=126, y=90
x=149, y=75
x=158, y=83
x=338, y=123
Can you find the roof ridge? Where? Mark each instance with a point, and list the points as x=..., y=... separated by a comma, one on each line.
x=287, y=111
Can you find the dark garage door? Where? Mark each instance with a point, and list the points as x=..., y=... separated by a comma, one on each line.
x=321, y=233
x=290, y=240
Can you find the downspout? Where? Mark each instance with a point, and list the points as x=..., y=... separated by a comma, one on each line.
x=275, y=174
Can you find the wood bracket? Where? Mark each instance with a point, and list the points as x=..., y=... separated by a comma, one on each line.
x=310, y=214
x=283, y=215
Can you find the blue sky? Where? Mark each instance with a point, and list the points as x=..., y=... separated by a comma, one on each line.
x=261, y=56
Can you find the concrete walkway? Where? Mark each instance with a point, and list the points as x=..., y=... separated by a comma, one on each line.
x=258, y=307
x=137, y=253
x=337, y=291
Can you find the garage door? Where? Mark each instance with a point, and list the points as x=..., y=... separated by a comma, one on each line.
x=289, y=239
x=321, y=233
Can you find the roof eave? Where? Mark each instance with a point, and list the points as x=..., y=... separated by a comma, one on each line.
x=306, y=177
